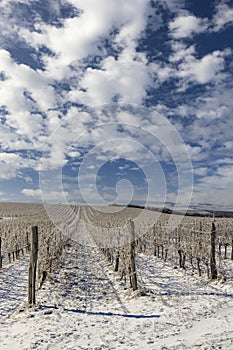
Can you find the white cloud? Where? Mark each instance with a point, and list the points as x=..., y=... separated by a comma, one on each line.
x=27, y=92
x=10, y=157
x=24, y=92
x=7, y=171
x=202, y=171
x=15, y=162
x=81, y=36
x=211, y=121
x=187, y=25
x=50, y=196
x=185, y=65
x=115, y=78
x=223, y=16
x=204, y=70
x=22, y=78
x=10, y=20
x=163, y=72
x=31, y=193
x=181, y=51
x=216, y=189
x=173, y=5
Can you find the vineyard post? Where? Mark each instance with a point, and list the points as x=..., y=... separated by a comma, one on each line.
x=232, y=248
x=132, y=265
x=213, y=268
x=32, y=267
x=117, y=258
x=0, y=252
x=27, y=243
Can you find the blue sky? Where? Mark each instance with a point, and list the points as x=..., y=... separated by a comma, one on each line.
x=117, y=101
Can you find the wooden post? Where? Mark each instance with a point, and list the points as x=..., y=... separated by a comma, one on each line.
x=180, y=257
x=213, y=268
x=27, y=243
x=32, y=267
x=231, y=248
x=0, y=252
x=225, y=251
x=132, y=265
x=117, y=260
x=198, y=267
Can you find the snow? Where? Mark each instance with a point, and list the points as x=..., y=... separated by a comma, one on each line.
x=13, y=279
x=85, y=305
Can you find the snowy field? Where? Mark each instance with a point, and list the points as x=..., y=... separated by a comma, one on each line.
x=84, y=305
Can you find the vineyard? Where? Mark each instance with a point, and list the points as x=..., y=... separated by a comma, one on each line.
x=202, y=244
x=15, y=233
x=95, y=262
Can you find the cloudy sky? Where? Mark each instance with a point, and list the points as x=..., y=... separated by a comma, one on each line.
x=116, y=101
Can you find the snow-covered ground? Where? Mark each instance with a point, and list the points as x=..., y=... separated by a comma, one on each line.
x=13, y=285
x=84, y=305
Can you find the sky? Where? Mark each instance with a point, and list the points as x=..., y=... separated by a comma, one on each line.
x=115, y=102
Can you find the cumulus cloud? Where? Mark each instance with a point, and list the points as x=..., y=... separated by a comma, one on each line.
x=203, y=70
x=223, y=16
x=180, y=51
x=81, y=36
x=17, y=161
x=115, y=78
x=25, y=78
x=187, y=25
x=185, y=64
x=31, y=193
x=208, y=129
x=189, y=69
x=53, y=196
x=215, y=188
x=7, y=171
x=28, y=94
x=12, y=164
